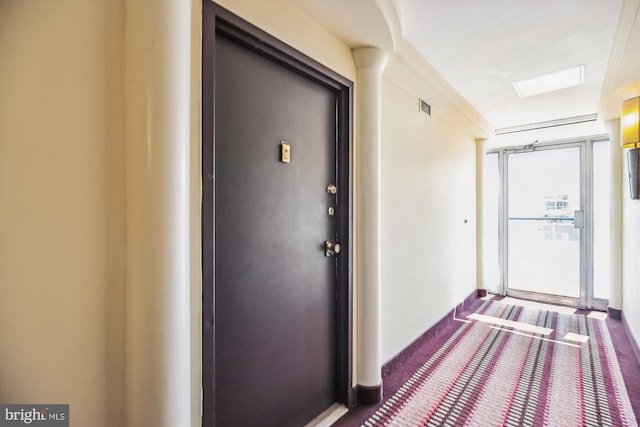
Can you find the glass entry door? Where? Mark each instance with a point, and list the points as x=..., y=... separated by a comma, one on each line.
x=545, y=224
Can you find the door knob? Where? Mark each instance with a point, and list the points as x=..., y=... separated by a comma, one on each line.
x=331, y=248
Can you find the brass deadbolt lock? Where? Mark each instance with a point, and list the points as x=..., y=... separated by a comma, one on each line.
x=331, y=248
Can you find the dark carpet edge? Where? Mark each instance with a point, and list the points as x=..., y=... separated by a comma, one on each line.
x=628, y=361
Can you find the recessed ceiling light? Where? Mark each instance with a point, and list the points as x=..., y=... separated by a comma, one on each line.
x=550, y=82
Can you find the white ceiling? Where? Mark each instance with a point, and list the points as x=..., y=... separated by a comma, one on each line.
x=481, y=46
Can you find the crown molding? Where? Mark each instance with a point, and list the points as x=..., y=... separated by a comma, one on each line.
x=392, y=13
x=617, y=87
x=357, y=23
x=412, y=72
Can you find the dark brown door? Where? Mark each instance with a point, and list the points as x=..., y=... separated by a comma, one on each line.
x=275, y=290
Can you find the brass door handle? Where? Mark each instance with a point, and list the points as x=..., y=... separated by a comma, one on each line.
x=331, y=248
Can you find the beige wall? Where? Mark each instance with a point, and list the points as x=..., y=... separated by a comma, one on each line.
x=61, y=206
x=428, y=190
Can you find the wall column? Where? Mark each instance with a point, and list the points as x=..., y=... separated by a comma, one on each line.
x=157, y=138
x=369, y=62
x=615, y=212
x=481, y=146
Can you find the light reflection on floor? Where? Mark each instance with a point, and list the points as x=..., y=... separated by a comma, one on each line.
x=526, y=329
x=576, y=337
x=600, y=315
x=522, y=326
x=537, y=305
x=535, y=337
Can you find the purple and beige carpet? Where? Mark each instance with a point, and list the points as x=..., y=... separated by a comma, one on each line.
x=509, y=365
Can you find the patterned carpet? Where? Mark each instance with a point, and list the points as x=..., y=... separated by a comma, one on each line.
x=508, y=365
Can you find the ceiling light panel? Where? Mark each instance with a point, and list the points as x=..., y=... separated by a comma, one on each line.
x=550, y=82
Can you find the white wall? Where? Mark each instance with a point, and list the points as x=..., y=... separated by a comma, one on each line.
x=631, y=255
x=428, y=190
x=62, y=206
x=158, y=138
x=631, y=208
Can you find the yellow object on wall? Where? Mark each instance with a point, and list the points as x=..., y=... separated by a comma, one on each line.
x=630, y=123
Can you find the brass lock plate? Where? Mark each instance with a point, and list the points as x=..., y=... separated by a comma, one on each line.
x=285, y=152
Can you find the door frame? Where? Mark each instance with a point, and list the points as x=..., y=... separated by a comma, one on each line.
x=215, y=20
x=586, y=299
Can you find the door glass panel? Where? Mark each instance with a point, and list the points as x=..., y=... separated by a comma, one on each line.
x=491, y=266
x=543, y=245
x=601, y=220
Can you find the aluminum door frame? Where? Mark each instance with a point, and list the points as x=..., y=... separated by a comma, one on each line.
x=586, y=299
